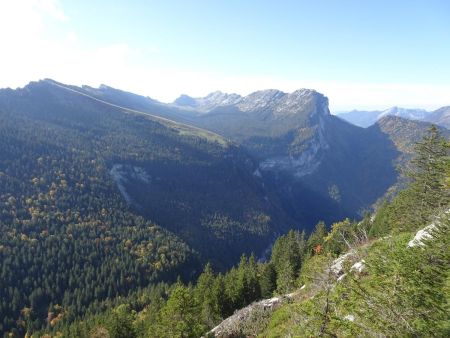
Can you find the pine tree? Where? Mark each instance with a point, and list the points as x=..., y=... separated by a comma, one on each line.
x=268, y=280
x=285, y=278
x=316, y=239
x=180, y=317
x=428, y=190
x=429, y=172
x=120, y=324
x=253, y=290
x=208, y=297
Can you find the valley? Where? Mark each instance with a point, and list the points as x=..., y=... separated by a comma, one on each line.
x=224, y=169
x=105, y=193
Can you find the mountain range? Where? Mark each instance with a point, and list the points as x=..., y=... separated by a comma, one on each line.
x=299, y=148
x=365, y=119
x=134, y=191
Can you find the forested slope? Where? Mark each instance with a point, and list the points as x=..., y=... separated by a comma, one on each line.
x=385, y=276
x=81, y=185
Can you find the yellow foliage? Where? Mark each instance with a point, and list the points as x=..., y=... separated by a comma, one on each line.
x=157, y=265
x=26, y=312
x=336, y=227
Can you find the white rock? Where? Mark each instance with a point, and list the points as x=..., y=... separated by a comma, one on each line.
x=426, y=233
x=341, y=277
x=338, y=265
x=350, y=318
x=358, y=266
x=421, y=235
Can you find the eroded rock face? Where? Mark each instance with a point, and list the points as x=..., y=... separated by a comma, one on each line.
x=427, y=232
x=308, y=146
x=295, y=122
x=231, y=326
x=301, y=164
x=123, y=173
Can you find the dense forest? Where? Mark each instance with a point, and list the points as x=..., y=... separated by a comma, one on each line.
x=366, y=278
x=67, y=237
x=70, y=239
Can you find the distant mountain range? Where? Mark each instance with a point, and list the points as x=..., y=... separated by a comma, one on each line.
x=365, y=119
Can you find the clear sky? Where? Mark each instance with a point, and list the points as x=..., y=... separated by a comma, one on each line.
x=361, y=54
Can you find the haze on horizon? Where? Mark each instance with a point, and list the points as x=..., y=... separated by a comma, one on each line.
x=361, y=55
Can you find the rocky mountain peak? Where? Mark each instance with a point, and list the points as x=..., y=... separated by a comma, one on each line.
x=303, y=100
x=415, y=114
x=270, y=100
x=280, y=103
x=209, y=102
x=219, y=98
x=261, y=99
x=185, y=101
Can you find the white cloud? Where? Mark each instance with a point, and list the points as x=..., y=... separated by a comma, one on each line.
x=34, y=52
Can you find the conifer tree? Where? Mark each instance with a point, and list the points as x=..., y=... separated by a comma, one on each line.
x=120, y=324
x=253, y=291
x=180, y=317
x=285, y=278
x=208, y=297
x=429, y=172
x=268, y=280
x=316, y=239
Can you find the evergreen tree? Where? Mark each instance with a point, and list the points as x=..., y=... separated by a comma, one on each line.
x=268, y=280
x=316, y=239
x=253, y=290
x=429, y=172
x=285, y=278
x=181, y=316
x=120, y=324
x=208, y=297
x=428, y=190
x=225, y=305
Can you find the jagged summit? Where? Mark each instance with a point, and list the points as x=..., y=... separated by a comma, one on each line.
x=280, y=103
x=260, y=99
x=273, y=100
x=209, y=102
x=415, y=114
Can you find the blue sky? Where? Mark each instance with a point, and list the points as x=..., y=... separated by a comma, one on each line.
x=361, y=54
